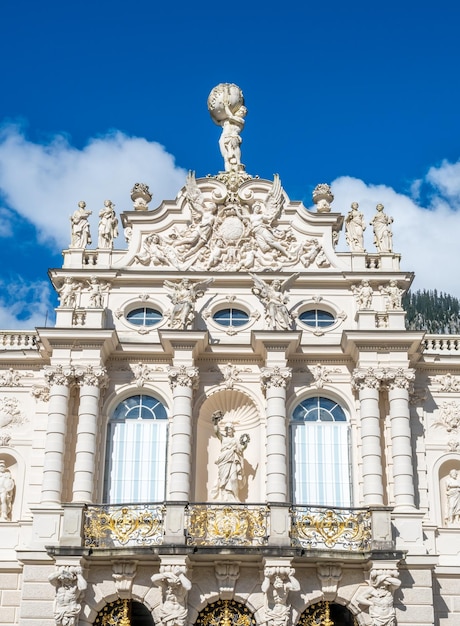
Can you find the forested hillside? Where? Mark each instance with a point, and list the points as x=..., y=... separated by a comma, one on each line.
x=434, y=312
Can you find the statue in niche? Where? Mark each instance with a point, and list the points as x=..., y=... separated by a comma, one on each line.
x=363, y=295
x=70, y=585
x=354, y=229
x=274, y=300
x=183, y=295
x=231, y=476
x=7, y=486
x=394, y=295
x=81, y=236
x=108, y=226
x=453, y=498
x=383, y=237
x=175, y=586
x=277, y=583
x=379, y=597
x=68, y=293
x=226, y=106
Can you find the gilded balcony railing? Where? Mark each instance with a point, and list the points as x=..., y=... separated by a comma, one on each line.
x=123, y=525
x=331, y=528
x=227, y=525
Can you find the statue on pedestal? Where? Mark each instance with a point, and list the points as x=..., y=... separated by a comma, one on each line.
x=226, y=106
x=108, y=226
x=383, y=237
x=230, y=462
x=81, y=236
x=354, y=229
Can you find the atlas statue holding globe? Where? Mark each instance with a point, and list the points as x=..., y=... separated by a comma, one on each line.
x=226, y=106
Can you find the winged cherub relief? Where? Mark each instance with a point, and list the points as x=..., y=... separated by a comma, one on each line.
x=230, y=228
x=183, y=295
x=274, y=300
x=267, y=238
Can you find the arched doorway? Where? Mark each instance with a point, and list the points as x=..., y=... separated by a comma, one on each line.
x=227, y=613
x=124, y=613
x=327, y=614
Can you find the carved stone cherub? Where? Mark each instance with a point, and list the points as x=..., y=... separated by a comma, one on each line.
x=68, y=293
x=394, y=295
x=363, y=295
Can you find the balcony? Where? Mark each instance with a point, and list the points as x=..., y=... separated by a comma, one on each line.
x=234, y=526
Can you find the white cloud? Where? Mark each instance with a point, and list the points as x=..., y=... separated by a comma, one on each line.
x=446, y=179
x=426, y=237
x=44, y=183
x=25, y=305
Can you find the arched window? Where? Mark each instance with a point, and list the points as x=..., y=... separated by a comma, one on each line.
x=320, y=453
x=135, y=468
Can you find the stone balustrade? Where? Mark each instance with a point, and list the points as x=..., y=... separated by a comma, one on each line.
x=18, y=340
x=445, y=344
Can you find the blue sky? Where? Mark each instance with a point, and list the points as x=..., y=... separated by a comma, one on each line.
x=99, y=95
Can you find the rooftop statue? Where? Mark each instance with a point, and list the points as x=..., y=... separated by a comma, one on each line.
x=226, y=106
x=108, y=226
x=383, y=237
x=354, y=229
x=81, y=236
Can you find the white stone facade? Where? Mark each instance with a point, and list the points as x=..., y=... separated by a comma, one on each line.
x=311, y=443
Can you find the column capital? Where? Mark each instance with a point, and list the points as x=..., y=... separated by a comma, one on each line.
x=275, y=377
x=370, y=378
x=91, y=376
x=399, y=378
x=183, y=376
x=59, y=375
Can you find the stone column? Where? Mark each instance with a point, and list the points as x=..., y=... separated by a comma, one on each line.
x=274, y=382
x=183, y=380
x=399, y=382
x=59, y=379
x=368, y=382
x=90, y=380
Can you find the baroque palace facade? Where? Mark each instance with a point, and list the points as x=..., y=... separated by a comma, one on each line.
x=229, y=423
